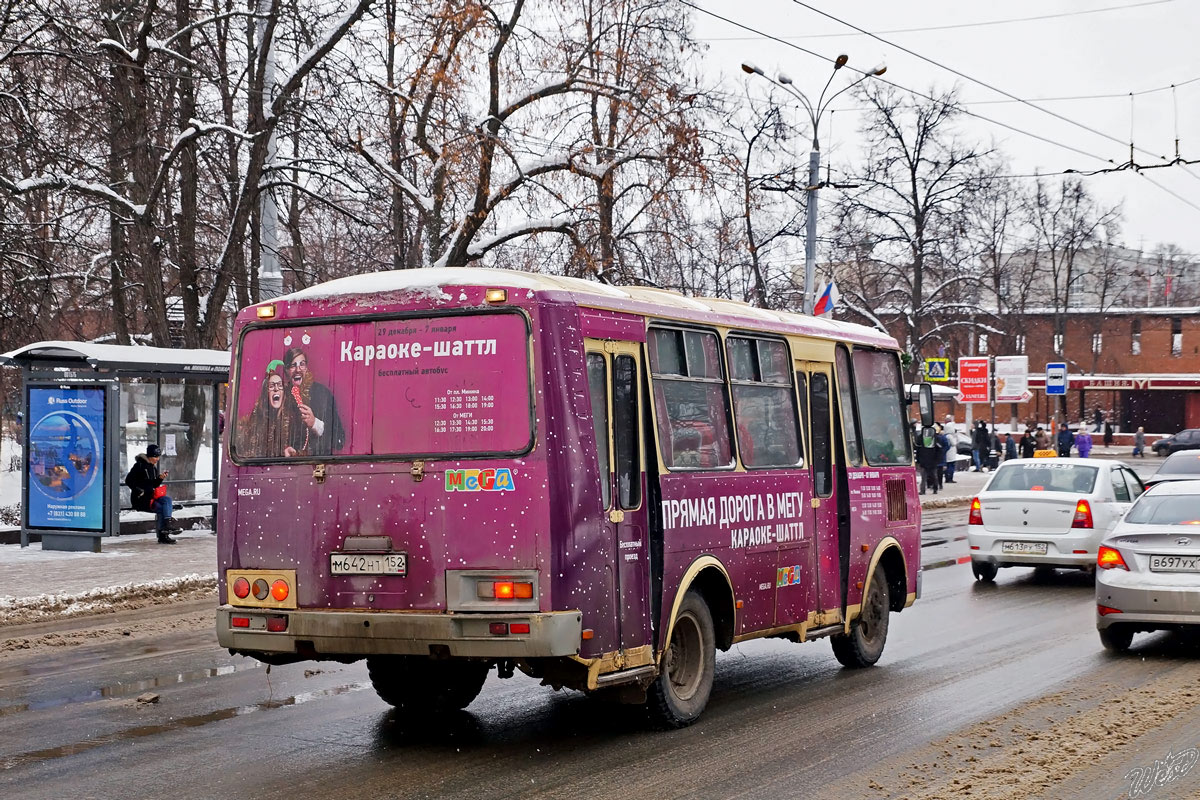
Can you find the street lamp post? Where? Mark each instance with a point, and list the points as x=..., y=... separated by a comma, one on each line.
x=815, y=113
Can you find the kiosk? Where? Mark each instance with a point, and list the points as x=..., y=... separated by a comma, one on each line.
x=72, y=437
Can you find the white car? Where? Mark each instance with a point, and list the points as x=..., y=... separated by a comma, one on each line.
x=1047, y=512
x=1149, y=576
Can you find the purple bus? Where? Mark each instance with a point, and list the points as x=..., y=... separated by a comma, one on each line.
x=444, y=471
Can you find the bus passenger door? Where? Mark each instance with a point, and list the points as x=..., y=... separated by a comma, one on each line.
x=814, y=383
x=614, y=382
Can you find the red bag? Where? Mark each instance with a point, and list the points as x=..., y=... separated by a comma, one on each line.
x=159, y=491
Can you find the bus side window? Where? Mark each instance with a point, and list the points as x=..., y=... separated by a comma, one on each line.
x=878, y=390
x=625, y=432
x=597, y=372
x=764, y=403
x=846, y=402
x=690, y=399
x=821, y=439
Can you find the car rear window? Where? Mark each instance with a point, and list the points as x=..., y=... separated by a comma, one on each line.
x=1185, y=463
x=1166, y=509
x=1044, y=476
x=454, y=385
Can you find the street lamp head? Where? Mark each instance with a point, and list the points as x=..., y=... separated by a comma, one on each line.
x=784, y=79
x=750, y=69
x=840, y=61
x=879, y=70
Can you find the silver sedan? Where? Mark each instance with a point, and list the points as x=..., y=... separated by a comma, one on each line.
x=1148, y=575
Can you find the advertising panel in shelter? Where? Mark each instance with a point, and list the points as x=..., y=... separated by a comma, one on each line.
x=66, y=458
x=447, y=385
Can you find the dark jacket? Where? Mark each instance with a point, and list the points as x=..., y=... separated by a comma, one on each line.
x=1066, y=440
x=142, y=480
x=1010, y=448
x=982, y=439
x=1028, y=445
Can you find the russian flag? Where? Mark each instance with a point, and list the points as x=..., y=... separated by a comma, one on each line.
x=824, y=304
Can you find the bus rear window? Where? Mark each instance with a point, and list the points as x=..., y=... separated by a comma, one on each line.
x=438, y=386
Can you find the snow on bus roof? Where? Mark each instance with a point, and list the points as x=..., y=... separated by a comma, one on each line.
x=429, y=281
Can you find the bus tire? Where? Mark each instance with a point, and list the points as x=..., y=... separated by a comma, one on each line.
x=863, y=645
x=680, y=692
x=417, y=684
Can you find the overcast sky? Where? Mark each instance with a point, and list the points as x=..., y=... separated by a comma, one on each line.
x=1124, y=46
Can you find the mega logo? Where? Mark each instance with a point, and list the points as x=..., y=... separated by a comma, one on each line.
x=479, y=480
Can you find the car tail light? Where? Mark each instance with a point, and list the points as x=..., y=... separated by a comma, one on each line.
x=277, y=624
x=976, y=517
x=1083, y=515
x=1104, y=611
x=1110, y=558
x=280, y=590
x=241, y=588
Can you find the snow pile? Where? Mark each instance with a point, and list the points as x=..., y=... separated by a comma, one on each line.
x=105, y=600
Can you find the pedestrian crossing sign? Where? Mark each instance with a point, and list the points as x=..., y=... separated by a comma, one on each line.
x=937, y=369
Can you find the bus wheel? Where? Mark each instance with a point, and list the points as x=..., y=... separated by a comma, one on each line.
x=680, y=692
x=863, y=645
x=413, y=683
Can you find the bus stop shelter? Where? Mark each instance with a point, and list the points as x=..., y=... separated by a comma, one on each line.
x=84, y=405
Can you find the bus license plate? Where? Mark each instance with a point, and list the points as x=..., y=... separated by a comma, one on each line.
x=1175, y=563
x=368, y=564
x=1024, y=548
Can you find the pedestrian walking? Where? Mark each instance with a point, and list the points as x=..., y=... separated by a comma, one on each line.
x=1010, y=447
x=983, y=443
x=1028, y=444
x=147, y=492
x=1066, y=440
x=1139, y=442
x=1041, y=439
x=1097, y=419
x=950, y=428
x=927, y=459
x=1108, y=433
x=1083, y=443
x=943, y=445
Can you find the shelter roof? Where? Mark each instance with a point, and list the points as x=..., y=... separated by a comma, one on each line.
x=120, y=360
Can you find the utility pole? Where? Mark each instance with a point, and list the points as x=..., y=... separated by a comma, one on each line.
x=270, y=276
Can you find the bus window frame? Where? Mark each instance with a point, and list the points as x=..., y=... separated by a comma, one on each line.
x=349, y=319
x=790, y=385
x=723, y=382
x=847, y=389
x=900, y=405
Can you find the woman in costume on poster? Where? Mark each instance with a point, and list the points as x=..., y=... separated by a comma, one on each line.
x=273, y=428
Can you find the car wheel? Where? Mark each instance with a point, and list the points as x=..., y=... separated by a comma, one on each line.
x=984, y=571
x=681, y=691
x=863, y=645
x=1116, y=638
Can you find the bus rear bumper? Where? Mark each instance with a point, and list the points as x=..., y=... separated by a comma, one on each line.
x=312, y=634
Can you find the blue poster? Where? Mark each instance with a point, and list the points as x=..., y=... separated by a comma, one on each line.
x=66, y=458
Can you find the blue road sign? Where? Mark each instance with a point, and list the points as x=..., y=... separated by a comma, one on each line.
x=1056, y=377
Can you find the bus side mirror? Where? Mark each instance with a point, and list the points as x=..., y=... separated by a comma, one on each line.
x=925, y=403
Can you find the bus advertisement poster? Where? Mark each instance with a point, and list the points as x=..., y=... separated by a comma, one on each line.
x=65, y=458
x=974, y=375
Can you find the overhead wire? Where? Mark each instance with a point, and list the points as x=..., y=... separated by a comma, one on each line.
x=960, y=25
x=967, y=77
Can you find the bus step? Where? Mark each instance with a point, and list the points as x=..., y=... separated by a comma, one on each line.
x=627, y=676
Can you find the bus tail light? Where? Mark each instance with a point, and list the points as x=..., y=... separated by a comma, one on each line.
x=505, y=590
x=241, y=588
x=1083, y=515
x=976, y=517
x=518, y=627
x=280, y=590
x=239, y=622
x=1110, y=558
x=277, y=624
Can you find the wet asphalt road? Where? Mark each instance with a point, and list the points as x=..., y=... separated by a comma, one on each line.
x=784, y=719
